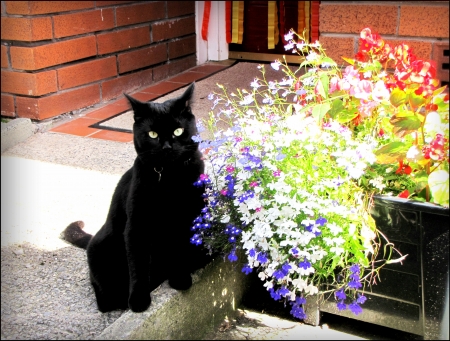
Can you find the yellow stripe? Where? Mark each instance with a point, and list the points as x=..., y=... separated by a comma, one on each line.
x=235, y=22
x=241, y=22
x=271, y=22
x=307, y=13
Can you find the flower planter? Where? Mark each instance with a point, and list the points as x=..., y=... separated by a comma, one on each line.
x=411, y=296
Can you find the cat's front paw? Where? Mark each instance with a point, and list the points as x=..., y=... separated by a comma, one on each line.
x=181, y=282
x=139, y=300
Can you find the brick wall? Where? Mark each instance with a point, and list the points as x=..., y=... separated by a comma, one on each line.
x=423, y=25
x=60, y=56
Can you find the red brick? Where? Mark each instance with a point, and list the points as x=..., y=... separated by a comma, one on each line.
x=110, y=3
x=7, y=106
x=87, y=72
x=161, y=72
x=116, y=87
x=42, y=7
x=123, y=40
x=38, y=57
x=352, y=18
x=173, y=28
x=26, y=29
x=138, y=13
x=181, y=47
x=57, y=104
x=424, y=21
x=29, y=84
x=181, y=65
x=143, y=57
x=179, y=8
x=84, y=22
x=4, y=56
x=336, y=48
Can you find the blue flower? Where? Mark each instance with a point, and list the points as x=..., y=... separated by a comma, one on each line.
x=232, y=239
x=283, y=291
x=340, y=294
x=321, y=221
x=285, y=268
x=354, y=284
x=247, y=269
x=232, y=256
x=274, y=294
x=294, y=251
x=361, y=299
x=304, y=264
x=280, y=156
x=252, y=252
x=262, y=258
x=341, y=305
x=355, y=308
x=278, y=274
x=300, y=300
x=354, y=268
x=196, y=138
x=196, y=239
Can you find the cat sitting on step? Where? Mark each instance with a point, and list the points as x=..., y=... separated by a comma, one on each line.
x=146, y=237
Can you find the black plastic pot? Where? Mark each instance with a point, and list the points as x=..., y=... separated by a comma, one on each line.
x=410, y=297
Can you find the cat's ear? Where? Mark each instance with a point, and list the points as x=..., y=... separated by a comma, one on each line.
x=139, y=107
x=186, y=98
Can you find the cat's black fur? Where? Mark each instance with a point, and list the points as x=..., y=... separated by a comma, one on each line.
x=146, y=237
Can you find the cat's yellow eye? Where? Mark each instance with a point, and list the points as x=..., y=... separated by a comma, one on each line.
x=178, y=132
x=153, y=134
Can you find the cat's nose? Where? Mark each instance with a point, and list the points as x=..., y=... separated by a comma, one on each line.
x=166, y=145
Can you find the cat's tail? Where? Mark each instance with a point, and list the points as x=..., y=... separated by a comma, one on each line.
x=75, y=235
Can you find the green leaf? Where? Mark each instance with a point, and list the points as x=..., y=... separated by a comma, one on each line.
x=347, y=115
x=398, y=97
x=439, y=187
x=348, y=60
x=329, y=61
x=405, y=122
x=325, y=84
x=415, y=101
x=320, y=110
x=336, y=107
x=391, y=152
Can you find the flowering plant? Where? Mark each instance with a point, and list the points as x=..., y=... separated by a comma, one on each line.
x=293, y=165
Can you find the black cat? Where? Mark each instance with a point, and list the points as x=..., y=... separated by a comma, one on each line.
x=146, y=237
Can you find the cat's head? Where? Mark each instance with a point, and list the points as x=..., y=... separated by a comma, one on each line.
x=163, y=131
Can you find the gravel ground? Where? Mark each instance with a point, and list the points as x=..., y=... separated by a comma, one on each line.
x=47, y=295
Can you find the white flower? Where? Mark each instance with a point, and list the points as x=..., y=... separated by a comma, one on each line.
x=275, y=65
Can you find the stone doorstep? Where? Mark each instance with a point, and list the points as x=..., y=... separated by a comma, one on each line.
x=216, y=293
x=15, y=131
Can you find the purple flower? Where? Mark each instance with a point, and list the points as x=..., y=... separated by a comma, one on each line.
x=252, y=252
x=321, y=221
x=354, y=284
x=340, y=294
x=274, y=294
x=262, y=258
x=232, y=256
x=361, y=299
x=355, y=308
x=283, y=291
x=354, y=268
x=341, y=305
x=278, y=274
x=304, y=264
x=247, y=269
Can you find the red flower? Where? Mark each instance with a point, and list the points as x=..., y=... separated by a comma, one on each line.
x=404, y=194
x=403, y=169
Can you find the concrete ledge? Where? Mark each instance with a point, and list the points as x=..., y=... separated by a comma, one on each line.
x=216, y=293
x=15, y=131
